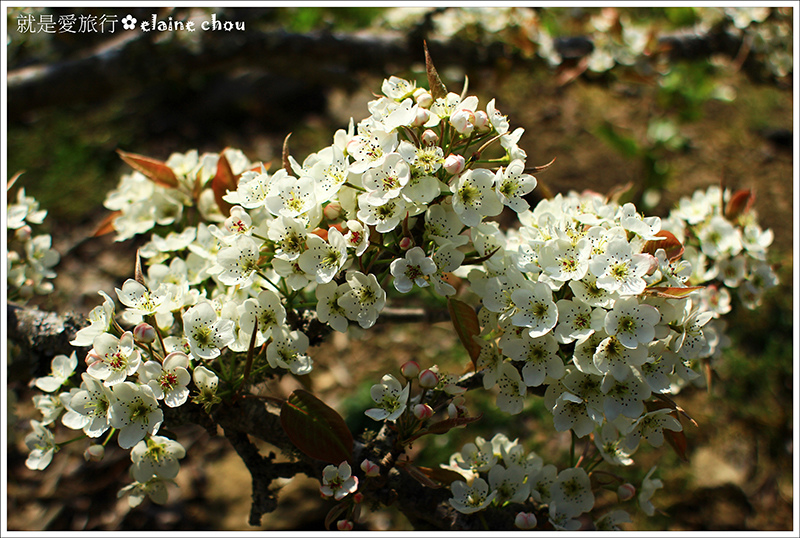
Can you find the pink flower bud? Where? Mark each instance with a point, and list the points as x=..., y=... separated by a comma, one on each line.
x=482, y=121
x=626, y=491
x=332, y=211
x=454, y=164
x=463, y=121
x=370, y=469
x=358, y=497
x=410, y=369
x=653, y=263
x=144, y=333
x=429, y=137
x=344, y=525
x=423, y=411
x=94, y=453
x=525, y=520
x=422, y=117
x=406, y=243
x=428, y=379
x=423, y=97
x=24, y=233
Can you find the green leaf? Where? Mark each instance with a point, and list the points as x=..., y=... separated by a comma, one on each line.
x=624, y=144
x=316, y=429
x=156, y=171
x=465, y=320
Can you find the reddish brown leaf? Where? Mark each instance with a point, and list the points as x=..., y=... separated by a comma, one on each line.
x=465, y=320
x=335, y=512
x=740, y=202
x=678, y=442
x=316, y=429
x=157, y=171
x=670, y=244
x=138, y=275
x=430, y=477
x=107, y=224
x=223, y=181
x=417, y=474
x=670, y=292
x=445, y=426
x=435, y=83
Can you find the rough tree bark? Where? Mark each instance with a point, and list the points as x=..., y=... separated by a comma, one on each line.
x=140, y=59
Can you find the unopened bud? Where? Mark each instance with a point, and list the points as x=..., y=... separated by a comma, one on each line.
x=525, y=520
x=429, y=137
x=94, y=453
x=410, y=369
x=24, y=233
x=456, y=408
x=423, y=411
x=428, y=379
x=358, y=497
x=653, y=263
x=144, y=333
x=344, y=525
x=406, y=243
x=332, y=211
x=422, y=117
x=482, y=121
x=626, y=491
x=463, y=121
x=370, y=469
x=423, y=97
x=454, y=164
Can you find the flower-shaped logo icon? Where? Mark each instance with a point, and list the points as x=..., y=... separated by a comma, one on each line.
x=129, y=22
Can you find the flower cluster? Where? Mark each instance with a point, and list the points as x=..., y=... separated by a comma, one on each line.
x=500, y=471
x=31, y=258
x=588, y=300
x=725, y=245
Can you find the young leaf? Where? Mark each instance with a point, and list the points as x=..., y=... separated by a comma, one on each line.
x=434, y=82
x=138, y=274
x=335, y=512
x=465, y=320
x=740, y=202
x=157, y=171
x=670, y=244
x=670, y=292
x=430, y=477
x=106, y=226
x=315, y=428
x=14, y=180
x=223, y=181
x=444, y=426
x=678, y=442
x=286, y=164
